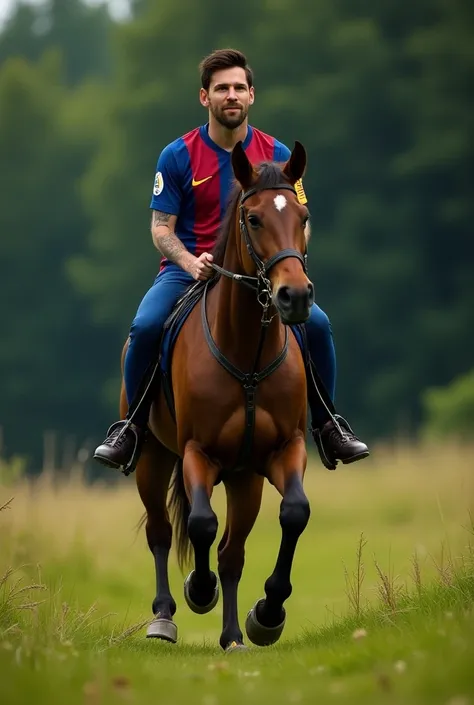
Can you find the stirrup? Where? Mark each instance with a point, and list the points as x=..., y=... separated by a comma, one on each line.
x=327, y=459
x=329, y=462
x=343, y=426
x=139, y=440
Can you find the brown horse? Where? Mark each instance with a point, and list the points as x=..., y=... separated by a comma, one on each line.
x=239, y=388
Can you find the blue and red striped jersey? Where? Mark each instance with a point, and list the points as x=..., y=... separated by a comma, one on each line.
x=194, y=178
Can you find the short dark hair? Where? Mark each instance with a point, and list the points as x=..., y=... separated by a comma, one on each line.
x=221, y=59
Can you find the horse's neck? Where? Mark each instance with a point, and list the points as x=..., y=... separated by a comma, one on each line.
x=235, y=319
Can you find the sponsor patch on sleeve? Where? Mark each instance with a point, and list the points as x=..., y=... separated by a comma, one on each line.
x=159, y=183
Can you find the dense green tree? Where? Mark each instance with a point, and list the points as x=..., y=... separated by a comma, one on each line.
x=80, y=31
x=18, y=36
x=449, y=410
x=49, y=351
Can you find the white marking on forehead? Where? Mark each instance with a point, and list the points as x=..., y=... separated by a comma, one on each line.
x=280, y=202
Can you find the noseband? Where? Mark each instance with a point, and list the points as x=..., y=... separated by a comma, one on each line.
x=261, y=284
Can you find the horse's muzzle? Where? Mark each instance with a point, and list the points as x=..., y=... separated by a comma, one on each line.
x=294, y=303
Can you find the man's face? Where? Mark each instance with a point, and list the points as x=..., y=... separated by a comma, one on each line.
x=229, y=97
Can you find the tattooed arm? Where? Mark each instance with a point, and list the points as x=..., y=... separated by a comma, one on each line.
x=165, y=240
x=171, y=247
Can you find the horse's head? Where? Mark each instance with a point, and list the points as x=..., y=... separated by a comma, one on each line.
x=272, y=231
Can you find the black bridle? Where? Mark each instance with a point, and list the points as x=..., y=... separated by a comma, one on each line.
x=262, y=286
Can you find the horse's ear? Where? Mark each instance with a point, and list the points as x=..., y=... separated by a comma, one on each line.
x=243, y=169
x=296, y=164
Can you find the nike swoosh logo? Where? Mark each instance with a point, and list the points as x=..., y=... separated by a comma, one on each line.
x=201, y=181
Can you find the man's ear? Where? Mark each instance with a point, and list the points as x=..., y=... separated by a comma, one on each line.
x=204, y=98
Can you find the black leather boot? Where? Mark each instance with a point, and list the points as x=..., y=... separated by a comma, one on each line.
x=121, y=449
x=336, y=441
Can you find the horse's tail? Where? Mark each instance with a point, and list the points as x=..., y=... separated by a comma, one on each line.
x=179, y=508
x=141, y=522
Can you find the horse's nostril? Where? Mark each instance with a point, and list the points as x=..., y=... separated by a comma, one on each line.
x=311, y=293
x=284, y=297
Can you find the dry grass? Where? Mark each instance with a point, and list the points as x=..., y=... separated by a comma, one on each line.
x=355, y=580
x=389, y=545
x=401, y=485
x=403, y=501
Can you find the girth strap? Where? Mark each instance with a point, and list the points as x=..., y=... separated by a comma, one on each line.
x=249, y=381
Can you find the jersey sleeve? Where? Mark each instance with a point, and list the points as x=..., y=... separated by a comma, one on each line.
x=167, y=191
x=282, y=153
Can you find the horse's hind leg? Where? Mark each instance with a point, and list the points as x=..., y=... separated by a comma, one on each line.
x=199, y=474
x=266, y=620
x=244, y=495
x=153, y=475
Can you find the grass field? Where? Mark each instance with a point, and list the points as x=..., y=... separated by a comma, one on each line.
x=77, y=635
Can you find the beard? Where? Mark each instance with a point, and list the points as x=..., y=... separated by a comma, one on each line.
x=229, y=120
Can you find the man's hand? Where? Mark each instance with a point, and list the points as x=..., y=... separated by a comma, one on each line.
x=200, y=269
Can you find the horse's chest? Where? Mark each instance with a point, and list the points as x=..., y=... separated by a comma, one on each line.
x=214, y=409
x=225, y=414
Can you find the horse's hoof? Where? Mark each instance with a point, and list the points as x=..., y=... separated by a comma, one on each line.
x=200, y=609
x=162, y=629
x=258, y=633
x=235, y=646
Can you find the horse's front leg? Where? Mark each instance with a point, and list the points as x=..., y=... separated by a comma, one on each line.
x=244, y=496
x=266, y=620
x=201, y=589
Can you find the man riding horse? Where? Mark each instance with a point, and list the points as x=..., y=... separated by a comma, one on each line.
x=192, y=183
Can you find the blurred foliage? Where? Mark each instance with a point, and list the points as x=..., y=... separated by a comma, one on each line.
x=49, y=345
x=11, y=471
x=379, y=93
x=78, y=30
x=450, y=409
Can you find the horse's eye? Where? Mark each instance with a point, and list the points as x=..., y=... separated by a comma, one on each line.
x=254, y=221
x=305, y=219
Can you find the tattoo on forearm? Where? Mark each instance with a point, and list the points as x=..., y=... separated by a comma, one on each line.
x=170, y=246
x=168, y=243
x=160, y=218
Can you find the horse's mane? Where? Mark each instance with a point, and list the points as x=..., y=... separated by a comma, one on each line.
x=269, y=176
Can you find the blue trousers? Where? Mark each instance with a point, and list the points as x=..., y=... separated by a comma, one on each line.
x=157, y=305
